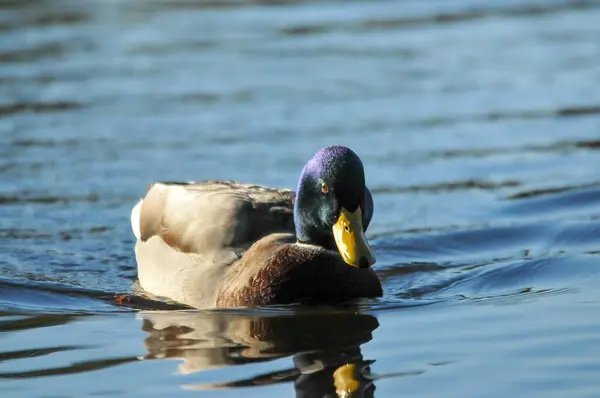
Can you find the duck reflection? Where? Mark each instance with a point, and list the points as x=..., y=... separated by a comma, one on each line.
x=325, y=347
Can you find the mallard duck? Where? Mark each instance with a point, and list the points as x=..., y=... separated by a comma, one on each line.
x=227, y=244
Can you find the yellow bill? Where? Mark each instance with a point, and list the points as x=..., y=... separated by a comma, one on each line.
x=351, y=240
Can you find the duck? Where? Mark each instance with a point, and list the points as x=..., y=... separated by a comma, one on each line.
x=225, y=244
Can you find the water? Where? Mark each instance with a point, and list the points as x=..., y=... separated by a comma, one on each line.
x=479, y=126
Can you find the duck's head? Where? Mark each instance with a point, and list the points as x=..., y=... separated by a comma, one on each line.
x=333, y=207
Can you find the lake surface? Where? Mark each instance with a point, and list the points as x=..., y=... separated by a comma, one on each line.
x=478, y=123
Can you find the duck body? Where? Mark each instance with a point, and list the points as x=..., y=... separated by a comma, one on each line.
x=226, y=244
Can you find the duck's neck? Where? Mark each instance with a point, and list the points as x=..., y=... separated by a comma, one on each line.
x=315, y=237
x=309, y=230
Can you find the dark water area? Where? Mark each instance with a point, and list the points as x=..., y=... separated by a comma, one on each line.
x=478, y=123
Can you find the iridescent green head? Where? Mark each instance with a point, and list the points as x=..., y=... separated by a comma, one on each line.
x=333, y=207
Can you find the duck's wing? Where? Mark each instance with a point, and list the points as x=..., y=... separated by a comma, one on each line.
x=188, y=234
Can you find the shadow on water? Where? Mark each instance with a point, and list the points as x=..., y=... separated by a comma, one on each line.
x=325, y=347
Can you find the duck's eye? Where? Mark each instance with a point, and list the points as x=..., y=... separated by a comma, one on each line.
x=324, y=187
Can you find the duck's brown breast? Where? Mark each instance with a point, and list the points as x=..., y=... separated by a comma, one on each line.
x=277, y=270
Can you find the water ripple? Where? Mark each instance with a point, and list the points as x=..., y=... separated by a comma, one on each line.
x=38, y=107
x=78, y=367
x=461, y=16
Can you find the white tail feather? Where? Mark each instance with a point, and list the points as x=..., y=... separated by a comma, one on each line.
x=135, y=219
